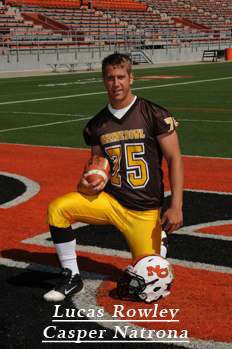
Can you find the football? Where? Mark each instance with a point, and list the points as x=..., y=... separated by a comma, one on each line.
x=98, y=167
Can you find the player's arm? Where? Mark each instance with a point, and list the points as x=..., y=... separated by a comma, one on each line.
x=97, y=150
x=170, y=147
x=84, y=186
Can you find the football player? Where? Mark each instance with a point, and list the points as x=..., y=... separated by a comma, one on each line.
x=134, y=134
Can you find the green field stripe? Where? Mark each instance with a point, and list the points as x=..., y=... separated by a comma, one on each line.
x=207, y=109
x=75, y=120
x=37, y=113
x=199, y=120
x=43, y=125
x=104, y=92
x=180, y=83
x=49, y=98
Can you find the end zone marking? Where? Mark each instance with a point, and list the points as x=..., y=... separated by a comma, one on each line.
x=41, y=240
x=193, y=230
x=32, y=189
x=92, y=282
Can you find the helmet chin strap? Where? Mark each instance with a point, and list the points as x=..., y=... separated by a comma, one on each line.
x=151, y=282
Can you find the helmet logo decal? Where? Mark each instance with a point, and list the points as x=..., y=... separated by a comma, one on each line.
x=171, y=270
x=162, y=273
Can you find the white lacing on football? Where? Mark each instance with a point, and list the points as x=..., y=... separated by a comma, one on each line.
x=100, y=173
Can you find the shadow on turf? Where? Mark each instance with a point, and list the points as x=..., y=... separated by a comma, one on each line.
x=24, y=316
x=34, y=279
x=51, y=259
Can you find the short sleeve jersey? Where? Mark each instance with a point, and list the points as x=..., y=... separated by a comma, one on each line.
x=134, y=153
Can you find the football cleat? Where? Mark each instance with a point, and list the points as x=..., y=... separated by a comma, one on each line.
x=67, y=286
x=149, y=278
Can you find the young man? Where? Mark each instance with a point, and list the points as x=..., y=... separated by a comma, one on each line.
x=134, y=134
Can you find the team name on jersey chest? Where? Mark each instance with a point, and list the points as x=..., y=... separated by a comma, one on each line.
x=122, y=135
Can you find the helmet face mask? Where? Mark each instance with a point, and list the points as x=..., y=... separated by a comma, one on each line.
x=148, y=279
x=131, y=287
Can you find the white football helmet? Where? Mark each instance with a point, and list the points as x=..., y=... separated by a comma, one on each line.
x=147, y=279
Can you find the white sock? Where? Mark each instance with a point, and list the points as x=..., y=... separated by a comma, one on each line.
x=67, y=255
x=164, y=247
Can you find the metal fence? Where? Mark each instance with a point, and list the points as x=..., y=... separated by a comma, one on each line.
x=122, y=40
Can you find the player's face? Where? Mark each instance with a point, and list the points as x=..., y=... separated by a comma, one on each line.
x=117, y=82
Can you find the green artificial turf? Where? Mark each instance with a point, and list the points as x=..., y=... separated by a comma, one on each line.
x=53, y=110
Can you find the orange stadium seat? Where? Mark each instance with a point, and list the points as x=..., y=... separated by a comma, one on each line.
x=117, y=15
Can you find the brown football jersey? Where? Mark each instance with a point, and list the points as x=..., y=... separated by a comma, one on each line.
x=135, y=156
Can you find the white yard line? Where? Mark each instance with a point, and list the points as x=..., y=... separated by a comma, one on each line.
x=44, y=125
x=194, y=120
x=37, y=113
x=87, y=118
x=104, y=92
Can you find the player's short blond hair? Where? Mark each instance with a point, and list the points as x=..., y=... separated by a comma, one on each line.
x=117, y=60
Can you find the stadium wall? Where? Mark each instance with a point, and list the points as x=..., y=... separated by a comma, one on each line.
x=41, y=61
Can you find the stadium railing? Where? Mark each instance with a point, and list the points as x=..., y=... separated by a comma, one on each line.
x=112, y=30
x=124, y=40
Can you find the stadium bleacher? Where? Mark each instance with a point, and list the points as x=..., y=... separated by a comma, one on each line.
x=91, y=23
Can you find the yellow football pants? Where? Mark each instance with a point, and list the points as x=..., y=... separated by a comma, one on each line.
x=140, y=228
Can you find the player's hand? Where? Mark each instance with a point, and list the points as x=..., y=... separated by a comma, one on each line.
x=87, y=188
x=174, y=219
